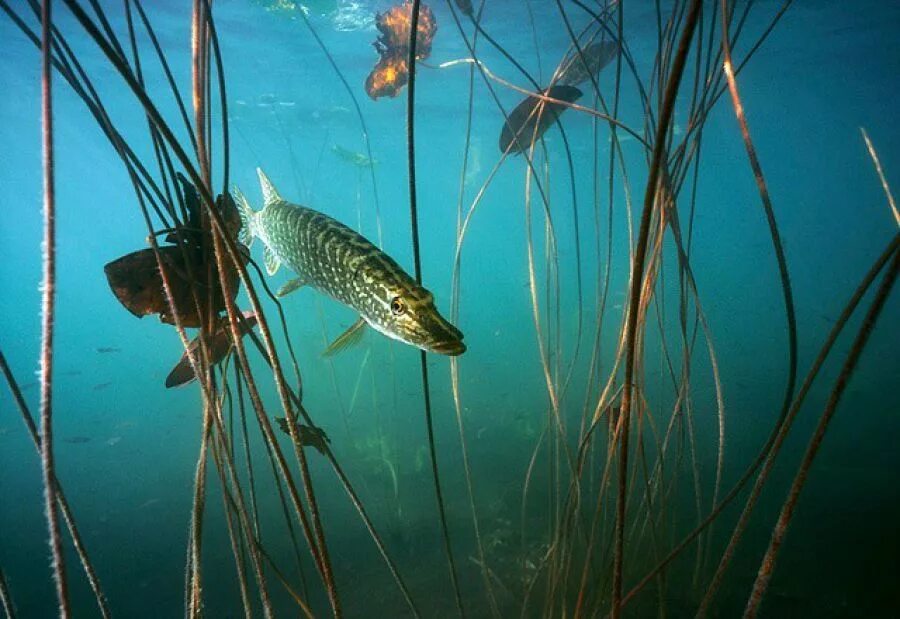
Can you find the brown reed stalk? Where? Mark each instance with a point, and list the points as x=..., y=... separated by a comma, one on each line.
x=666, y=112
x=48, y=314
x=6, y=602
x=65, y=510
x=728, y=69
x=839, y=324
x=767, y=565
x=233, y=255
x=880, y=171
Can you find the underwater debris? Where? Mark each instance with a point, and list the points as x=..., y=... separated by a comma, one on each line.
x=219, y=345
x=360, y=160
x=308, y=435
x=136, y=280
x=391, y=72
x=329, y=256
x=388, y=77
x=596, y=56
x=533, y=116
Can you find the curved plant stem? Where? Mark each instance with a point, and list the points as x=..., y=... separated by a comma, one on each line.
x=790, y=504
x=5, y=600
x=728, y=68
x=667, y=109
x=884, y=184
x=417, y=261
x=65, y=510
x=48, y=314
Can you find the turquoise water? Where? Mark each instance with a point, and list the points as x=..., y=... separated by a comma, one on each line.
x=126, y=447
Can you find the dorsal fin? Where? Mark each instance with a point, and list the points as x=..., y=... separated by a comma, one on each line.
x=270, y=194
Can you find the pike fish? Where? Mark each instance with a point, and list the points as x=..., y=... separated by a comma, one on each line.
x=336, y=260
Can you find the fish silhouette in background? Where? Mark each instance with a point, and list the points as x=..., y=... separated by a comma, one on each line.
x=360, y=160
x=307, y=435
x=77, y=440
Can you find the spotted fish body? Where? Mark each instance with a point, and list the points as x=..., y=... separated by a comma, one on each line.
x=340, y=262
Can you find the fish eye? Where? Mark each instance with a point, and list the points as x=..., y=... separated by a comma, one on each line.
x=398, y=307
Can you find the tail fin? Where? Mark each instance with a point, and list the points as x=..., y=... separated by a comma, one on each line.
x=247, y=233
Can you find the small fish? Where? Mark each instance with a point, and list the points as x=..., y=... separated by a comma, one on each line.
x=333, y=258
x=308, y=436
x=76, y=440
x=108, y=349
x=358, y=159
x=114, y=440
x=219, y=346
x=101, y=386
x=532, y=117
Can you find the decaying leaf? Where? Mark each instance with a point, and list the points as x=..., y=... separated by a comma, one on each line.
x=219, y=344
x=391, y=72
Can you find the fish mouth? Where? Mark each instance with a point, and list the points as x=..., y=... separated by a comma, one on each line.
x=443, y=338
x=453, y=348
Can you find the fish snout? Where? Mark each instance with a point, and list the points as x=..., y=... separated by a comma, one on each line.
x=443, y=337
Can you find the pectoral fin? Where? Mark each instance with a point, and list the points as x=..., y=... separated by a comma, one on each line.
x=348, y=338
x=290, y=286
x=272, y=261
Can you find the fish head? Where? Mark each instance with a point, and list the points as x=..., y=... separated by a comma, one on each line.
x=407, y=312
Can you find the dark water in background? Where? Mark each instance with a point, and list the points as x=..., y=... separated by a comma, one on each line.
x=828, y=68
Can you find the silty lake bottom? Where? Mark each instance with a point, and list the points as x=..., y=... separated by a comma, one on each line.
x=657, y=248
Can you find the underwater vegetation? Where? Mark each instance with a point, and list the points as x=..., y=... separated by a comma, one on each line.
x=675, y=392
